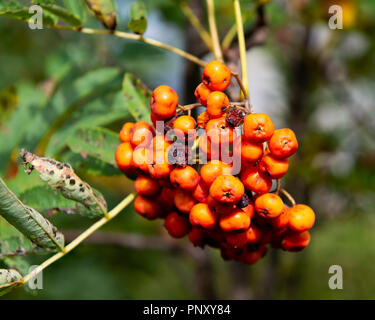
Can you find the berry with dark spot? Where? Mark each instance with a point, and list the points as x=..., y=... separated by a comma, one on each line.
x=235, y=117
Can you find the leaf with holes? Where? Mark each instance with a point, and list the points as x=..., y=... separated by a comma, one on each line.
x=50, y=202
x=28, y=221
x=137, y=98
x=138, y=17
x=9, y=279
x=61, y=176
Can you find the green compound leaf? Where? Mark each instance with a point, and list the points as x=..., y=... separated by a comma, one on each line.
x=14, y=10
x=105, y=11
x=98, y=143
x=138, y=17
x=137, y=98
x=76, y=7
x=61, y=176
x=62, y=14
x=28, y=221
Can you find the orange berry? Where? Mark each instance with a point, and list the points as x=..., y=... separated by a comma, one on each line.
x=124, y=157
x=227, y=189
x=159, y=168
x=164, y=101
x=125, y=131
x=219, y=132
x=200, y=193
x=141, y=158
x=273, y=167
x=177, y=225
x=218, y=207
x=269, y=205
x=281, y=221
x=255, y=181
x=236, y=239
x=216, y=76
x=186, y=178
x=249, y=151
x=237, y=220
x=201, y=93
x=253, y=234
x=147, y=208
x=283, y=143
x=166, y=200
x=249, y=210
x=197, y=237
x=301, y=218
x=160, y=143
x=258, y=127
x=184, y=201
x=202, y=216
x=141, y=134
x=146, y=186
x=295, y=241
x=217, y=104
x=184, y=125
x=252, y=256
x=202, y=119
x=211, y=170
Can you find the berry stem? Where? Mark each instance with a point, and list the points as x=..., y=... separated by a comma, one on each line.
x=213, y=30
x=289, y=197
x=131, y=36
x=112, y=214
x=203, y=33
x=278, y=186
x=242, y=48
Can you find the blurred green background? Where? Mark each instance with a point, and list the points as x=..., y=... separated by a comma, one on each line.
x=318, y=81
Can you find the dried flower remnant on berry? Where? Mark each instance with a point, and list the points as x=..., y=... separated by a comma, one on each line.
x=235, y=117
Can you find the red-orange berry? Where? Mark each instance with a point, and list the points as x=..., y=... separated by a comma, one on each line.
x=273, y=167
x=217, y=104
x=269, y=205
x=201, y=93
x=216, y=76
x=124, y=134
x=283, y=143
x=255, y=181
x=146, y=207
x=202, y=216
x=301, y=218
x=146, y=186
x=227, y=189
x=237, y=220
x=141, y=134
x=177, y=225
x=184, y=201
x=295, y=241
x=186, y=178
x=258, y=127
x=164, y=101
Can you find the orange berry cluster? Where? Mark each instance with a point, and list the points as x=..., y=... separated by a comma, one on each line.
x=226, y=202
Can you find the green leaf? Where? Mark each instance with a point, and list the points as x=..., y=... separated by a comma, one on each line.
x=51, y=202
x=90, y=165
x=76, y=7
x=28, y=221
x=61, y=176
x=13, y=9
x=137, y=98
x=105, y=11
x=63, y=14
x=138, y=17
x=96, y=142
x=12, y=242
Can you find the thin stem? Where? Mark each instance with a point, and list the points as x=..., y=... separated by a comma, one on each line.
x=289, y=196
x=131, y=36
x=278, y=186
x=242, y=45
x=113, y=213
x=203, y=33
x=249, y=108
x=213, y=29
